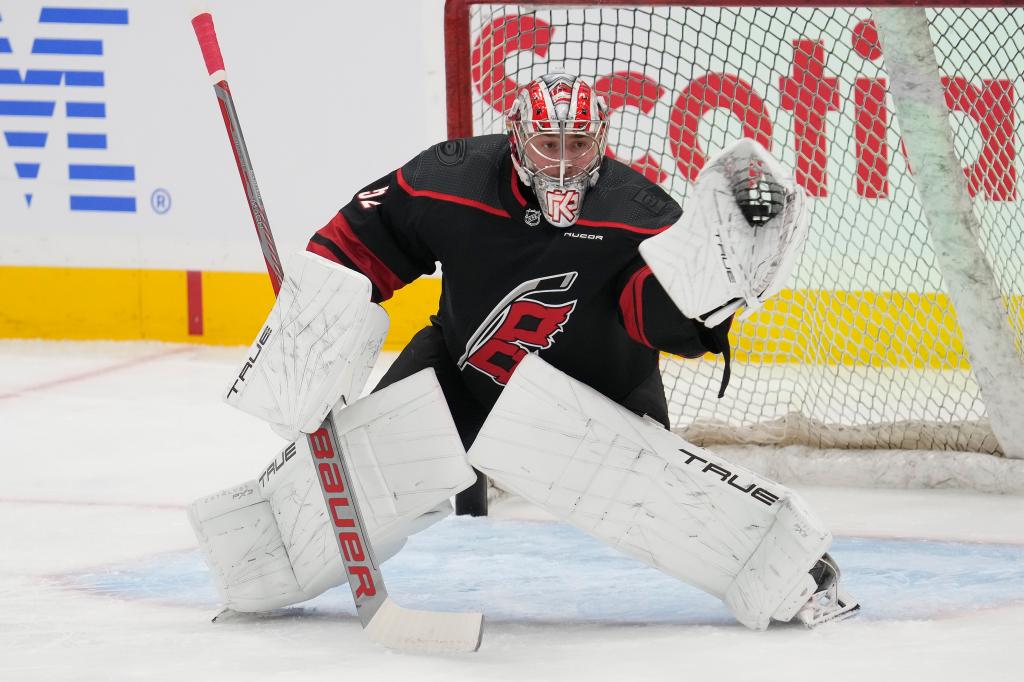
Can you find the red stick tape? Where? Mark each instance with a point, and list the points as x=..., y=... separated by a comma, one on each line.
x=203, y=25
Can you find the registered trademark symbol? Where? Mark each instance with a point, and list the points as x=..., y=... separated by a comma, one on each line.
x=160, y=200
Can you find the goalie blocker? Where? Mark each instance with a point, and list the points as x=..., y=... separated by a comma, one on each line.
x=316, y=349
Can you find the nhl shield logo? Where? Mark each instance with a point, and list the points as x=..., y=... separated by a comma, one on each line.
x=532, y=217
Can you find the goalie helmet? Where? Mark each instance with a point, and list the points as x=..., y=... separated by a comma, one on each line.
x=557, y=128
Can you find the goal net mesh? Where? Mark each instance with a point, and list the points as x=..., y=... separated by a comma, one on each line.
x=863, y=348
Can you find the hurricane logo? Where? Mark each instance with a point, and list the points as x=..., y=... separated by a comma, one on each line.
x=518, y=325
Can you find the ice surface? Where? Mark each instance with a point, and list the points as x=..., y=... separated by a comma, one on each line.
x=104, y=445
x=552, y=573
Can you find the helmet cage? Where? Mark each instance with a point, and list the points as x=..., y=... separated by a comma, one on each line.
x=563, y=151
x=558, y=131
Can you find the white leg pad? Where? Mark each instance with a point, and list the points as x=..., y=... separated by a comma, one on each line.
x=268, y=542
x=767, y=587
x=242, y=545
x=649, y=493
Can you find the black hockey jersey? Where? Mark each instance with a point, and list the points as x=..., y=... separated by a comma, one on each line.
x=511, y=283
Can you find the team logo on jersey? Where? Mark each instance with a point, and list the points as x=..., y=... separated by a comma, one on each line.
x=532, y=217
x=518, y=325
x=563, y=204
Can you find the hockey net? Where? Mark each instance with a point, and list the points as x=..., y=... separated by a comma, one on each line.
x=863, y=350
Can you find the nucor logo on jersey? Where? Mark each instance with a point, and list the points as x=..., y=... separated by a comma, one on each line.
x=342, y=513
x=809, y=91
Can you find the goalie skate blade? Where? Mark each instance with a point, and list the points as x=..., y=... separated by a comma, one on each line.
x=840, y=611
x=409, y=630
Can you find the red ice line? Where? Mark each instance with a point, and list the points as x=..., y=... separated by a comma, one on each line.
x=17, y=393
x=91, y=503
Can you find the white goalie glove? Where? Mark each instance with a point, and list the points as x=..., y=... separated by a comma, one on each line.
x=739, y=237
x=316, y=348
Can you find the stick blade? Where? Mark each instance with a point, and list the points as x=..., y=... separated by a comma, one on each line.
x=417, y=631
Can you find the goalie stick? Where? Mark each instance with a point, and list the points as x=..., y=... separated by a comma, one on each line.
x=385, y=622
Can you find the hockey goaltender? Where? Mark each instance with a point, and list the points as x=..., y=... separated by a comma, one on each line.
x=565, y=273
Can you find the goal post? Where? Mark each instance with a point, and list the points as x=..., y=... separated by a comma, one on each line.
x=903, y=327
x=954, y=228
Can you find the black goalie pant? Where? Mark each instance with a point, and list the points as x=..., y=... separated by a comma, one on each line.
x=427, y=349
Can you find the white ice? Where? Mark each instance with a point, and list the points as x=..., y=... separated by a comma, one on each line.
x=105, y=443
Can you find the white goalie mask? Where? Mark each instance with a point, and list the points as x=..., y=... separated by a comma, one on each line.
x=557, y=128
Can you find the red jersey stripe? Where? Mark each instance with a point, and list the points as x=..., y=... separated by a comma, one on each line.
x=515, y=188
x=623, y=226
x=631, y=302
x=322, y=251
x=340, y=233
x=449, y=197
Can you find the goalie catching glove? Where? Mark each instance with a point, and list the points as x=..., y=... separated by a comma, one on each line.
x=738, y=239
x=317, y=348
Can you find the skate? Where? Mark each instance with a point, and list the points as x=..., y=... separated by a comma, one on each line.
x=829, y=603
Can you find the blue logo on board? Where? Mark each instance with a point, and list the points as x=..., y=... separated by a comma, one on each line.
x=23, y=119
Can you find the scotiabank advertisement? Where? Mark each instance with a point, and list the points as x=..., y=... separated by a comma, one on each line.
x=808, y=84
